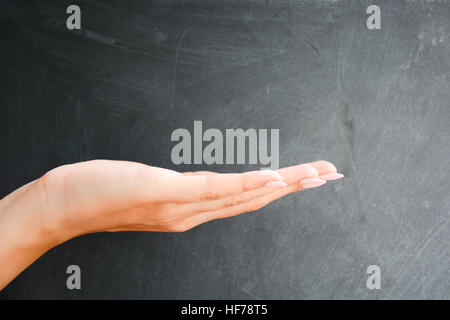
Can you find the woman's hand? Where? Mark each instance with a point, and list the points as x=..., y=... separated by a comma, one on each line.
x=103, y=195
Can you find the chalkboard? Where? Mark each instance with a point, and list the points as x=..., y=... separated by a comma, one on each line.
x=375, y=102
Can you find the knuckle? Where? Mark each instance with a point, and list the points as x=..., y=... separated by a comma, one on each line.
x=234, y=200
x=210, y=194
x=243, y=183
x=255, y=205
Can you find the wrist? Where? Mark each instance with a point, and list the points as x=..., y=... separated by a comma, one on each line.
x=22, y=240
x=24, y=221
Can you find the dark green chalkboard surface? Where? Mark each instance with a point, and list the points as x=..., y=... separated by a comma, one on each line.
x=374, y=102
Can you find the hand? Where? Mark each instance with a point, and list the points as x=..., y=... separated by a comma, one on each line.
x=102, y=195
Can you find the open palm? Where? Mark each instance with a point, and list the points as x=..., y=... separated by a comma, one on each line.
x=104, y=195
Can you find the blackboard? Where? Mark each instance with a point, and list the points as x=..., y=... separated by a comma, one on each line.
x=374, y=102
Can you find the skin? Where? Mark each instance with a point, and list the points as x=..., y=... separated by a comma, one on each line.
x=108, y=196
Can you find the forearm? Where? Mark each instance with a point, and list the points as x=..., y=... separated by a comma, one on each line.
x=23, y=239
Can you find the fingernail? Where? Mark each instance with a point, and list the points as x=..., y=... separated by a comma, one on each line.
x=312, y=183
x=271, y=173
x=275, y=184
x=331, y=176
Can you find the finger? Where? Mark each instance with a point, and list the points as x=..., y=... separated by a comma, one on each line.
x=327, y=170
x=193, y=188
x=323, y=167
x=256, y=199
x=302, y=172
x=252, y=205
x=292, y=175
